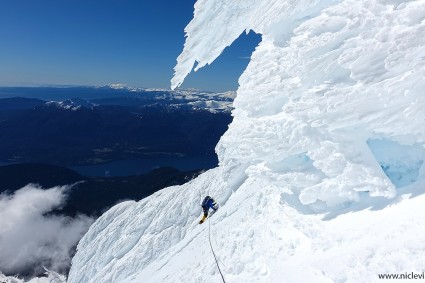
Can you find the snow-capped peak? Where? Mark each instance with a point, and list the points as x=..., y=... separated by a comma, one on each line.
x=124, y=87
x=71, y=104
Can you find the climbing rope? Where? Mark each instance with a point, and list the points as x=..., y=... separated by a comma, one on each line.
x=209, y=239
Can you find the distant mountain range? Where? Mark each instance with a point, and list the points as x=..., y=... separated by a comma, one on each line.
x=94, y=125
x=121, y=95
x=43, y=130
x=131, y=136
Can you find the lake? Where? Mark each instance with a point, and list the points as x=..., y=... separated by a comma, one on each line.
x=140, y=166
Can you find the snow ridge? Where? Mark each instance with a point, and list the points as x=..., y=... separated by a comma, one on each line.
x=331, y=99
x=73, y=104
x=340, y=77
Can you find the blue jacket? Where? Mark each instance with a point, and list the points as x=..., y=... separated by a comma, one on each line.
x=208, y=203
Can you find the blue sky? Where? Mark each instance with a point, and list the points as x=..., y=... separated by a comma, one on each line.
x=97, y=42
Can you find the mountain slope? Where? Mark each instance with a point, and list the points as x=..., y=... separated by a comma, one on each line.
x=326, y=109
x=77, y=132
x=257, y=236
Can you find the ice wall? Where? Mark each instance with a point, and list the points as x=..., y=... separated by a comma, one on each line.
x=331, y=99
x=327, y=77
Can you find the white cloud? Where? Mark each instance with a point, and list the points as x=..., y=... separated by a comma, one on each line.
x=29, y=237
x=50, y=277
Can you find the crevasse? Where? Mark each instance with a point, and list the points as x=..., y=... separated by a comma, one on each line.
x=328, y=105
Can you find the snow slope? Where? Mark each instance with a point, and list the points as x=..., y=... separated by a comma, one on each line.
x=321, y=174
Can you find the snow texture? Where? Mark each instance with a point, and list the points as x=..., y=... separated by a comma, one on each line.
x=73, y=104
x=321, y=174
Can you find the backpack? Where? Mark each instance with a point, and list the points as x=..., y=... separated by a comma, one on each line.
x=206, y=200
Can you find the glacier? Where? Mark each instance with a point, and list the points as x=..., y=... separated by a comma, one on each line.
x=321, y=173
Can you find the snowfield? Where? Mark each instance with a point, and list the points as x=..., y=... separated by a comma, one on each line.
x=321, y=175
x=257, y=236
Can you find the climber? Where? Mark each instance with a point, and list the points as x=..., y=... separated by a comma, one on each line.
x=208, y=203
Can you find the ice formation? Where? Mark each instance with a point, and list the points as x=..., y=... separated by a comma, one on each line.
x=328, y=119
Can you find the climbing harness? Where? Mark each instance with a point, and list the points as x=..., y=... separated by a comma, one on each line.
x=209, y=239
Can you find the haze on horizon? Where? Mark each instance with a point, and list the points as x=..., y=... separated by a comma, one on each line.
x=105, y=42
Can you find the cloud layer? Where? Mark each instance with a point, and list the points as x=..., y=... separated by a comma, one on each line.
x=29, y=237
